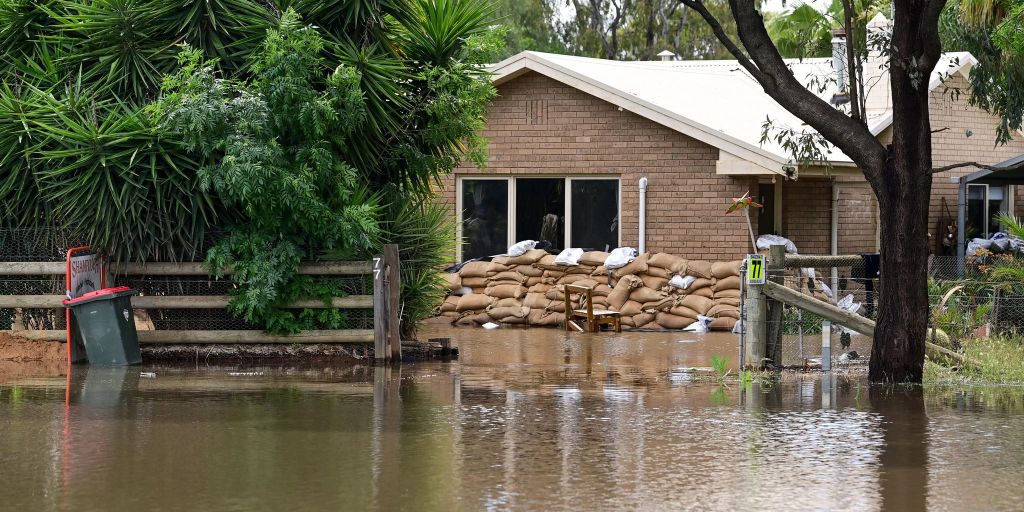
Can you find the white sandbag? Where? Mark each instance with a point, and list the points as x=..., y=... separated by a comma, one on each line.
x=520, y=248
x=681, y=282
x=764, y=242
x=701, y=325
x=620, y=257
x=570, y=256
x=465, y=290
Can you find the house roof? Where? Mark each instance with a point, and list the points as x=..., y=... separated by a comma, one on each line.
x=716, y=102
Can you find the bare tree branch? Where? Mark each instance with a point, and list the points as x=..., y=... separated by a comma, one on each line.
x=763, y=62
x=990, y=167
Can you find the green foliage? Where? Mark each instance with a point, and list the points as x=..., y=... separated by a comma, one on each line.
x=720, y=364
x=803, y=31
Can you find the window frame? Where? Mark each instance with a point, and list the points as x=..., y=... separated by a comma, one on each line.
x=1008, y=206
x=511, y=187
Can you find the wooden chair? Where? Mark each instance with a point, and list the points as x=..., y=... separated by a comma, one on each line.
x=594, y=318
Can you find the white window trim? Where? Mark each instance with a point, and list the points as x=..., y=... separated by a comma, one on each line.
x=511, y=214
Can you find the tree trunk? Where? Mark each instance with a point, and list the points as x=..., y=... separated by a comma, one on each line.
x=903, y=190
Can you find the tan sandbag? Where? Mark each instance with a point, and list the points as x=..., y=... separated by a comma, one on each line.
x=660, y=305
x=536, y=315
x=508, y=312
x=579, y=269
x=601, y=290
x=532, y=281
x=475, y=318
x=452, y=281
x=540, y=288
x=593, y=258
x=446, y=314
x=474, y=282
x=643, y=319
x=685, y=312
x=658, y=272
x=727, y=301
x=637, y=266
x=670, y=321
x=528, y=270
x=536, y=300
x=721, y=310
x=450, y=304
x=697, y=303
x=727, y=294
x=724, y=269
x=474, y=269
x=556, y=305
x=556, y=293
x=466, y=321
x=501, y=260
x=512, y=320
x=547, y=263
x=644, y=294
x=666, y=261
x=586, y=282
x=699, y=268
x=601, y=302
x=527, y=258
x=654, y=282
x=550, y=319
x=627, y=321
x=699, y=283
x=631, y=307
x=507, y=303
x=554, y=276
x=620, y=293
x=473, y=302
x=496, y=268
x=727, y=283
x=703, y=292
x=505, y=291
x=651, y=326
x=722, y=324
x=573, y=279
x=508, y=276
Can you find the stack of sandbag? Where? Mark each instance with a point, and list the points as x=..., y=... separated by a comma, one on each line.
x=652, y=291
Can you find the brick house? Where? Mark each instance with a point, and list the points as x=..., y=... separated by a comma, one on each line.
x=574, y=141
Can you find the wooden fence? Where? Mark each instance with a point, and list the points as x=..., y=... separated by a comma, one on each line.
x=385, y=303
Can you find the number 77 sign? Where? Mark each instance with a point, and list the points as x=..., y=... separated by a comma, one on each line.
x=755, y=269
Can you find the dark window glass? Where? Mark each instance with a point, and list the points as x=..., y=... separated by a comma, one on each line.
x=540, y=210
x=484, y=218
x=975, y=212
x=766, y=215
x=595, y=214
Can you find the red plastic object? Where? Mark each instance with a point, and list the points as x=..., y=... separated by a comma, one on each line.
x=97, y=293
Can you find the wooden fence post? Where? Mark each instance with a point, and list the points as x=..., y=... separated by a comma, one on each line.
x=380, y=306
x=776, y=274
x=755, y=314
x=393, y=280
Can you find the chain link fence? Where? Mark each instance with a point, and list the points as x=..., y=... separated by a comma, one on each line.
x=52, y=245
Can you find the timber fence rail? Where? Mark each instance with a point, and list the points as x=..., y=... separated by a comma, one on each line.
x=181, y=303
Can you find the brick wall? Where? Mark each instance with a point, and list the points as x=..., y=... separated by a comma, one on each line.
x=806, y=214
x=539, y=126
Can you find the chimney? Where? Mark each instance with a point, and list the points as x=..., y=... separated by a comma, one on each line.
x=842, y=95
x=876, y=68
x=667, y=55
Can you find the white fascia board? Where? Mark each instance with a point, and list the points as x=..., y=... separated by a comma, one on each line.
x=516, y=65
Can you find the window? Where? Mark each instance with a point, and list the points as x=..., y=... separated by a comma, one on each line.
x=766, y=214
x=565, y=212
x=984, y=202
x=484, y=217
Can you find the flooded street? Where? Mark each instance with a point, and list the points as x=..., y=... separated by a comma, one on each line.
x=525, y=420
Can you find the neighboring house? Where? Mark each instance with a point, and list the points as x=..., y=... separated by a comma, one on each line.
x=574, y=140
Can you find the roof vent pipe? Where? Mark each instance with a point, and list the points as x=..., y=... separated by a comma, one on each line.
x=842, y=94
x=667, y=55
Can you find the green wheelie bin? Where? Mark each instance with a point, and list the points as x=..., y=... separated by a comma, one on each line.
x=106, y=326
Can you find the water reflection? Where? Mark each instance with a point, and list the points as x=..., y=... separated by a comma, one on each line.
x=575, y=423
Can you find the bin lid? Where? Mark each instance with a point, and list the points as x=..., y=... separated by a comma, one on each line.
x=96, y=295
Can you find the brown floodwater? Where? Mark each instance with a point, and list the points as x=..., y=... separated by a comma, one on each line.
x=525, y=420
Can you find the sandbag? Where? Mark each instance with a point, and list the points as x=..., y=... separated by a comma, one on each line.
x=501, y=314
x=505, y=291
x=527, y=258
x=548, y=319
x=508, y=276
x=666, y=261
x=553, y=276
x=727, y=283
x=536, y=300
x=555, y=293
x=540, y=288
x=699, y=268
x=452, y=281
x=547, y=263
x=601, y=271
x=528, y=270
x=601, y=290
x=450, y=304
x=697, y=303
x=512, y=320
x=574, y=278
x=642, y=319
x=703, y=292
x=532, y=281
x=722, y=324
x=701, y=282
x=670, y=321
x=631, y=307
x=685, y=312
x=473, y=302
x=496, y=268
x=476, y=318
x=506, y=303
x=557, y=306
x=658, y=272
x=503, y=260
x=653, y=282
x=659, y=305
x=723, y=301
x=627, y=321
x=474, y=282
x=579, y=269
x=593, y=258
x=727, y=294
x=600, y=302
x=644, y=294
x=474, y=269
x=724, y=269
x=637, y=266
x=651, y=326
x=586, y=282
x=722, y=310
x=620, y=293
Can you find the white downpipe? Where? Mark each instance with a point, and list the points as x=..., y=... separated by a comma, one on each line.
x=642, y=244
x=835, y=239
